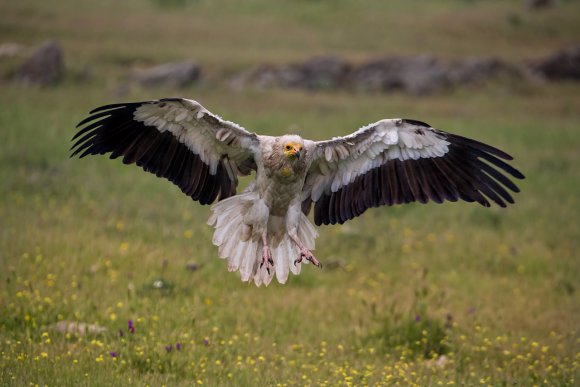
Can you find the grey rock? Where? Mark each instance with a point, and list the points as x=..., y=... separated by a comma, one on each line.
x=564, y=64
x=479, y=70
x=289, y=76
x=539, y=4
x=423, y=75
x=418, y=75
x=175, y=75
x=377, y=75
x=44, y=67
x=318, y=73
x=326, y=72
x=261, y=76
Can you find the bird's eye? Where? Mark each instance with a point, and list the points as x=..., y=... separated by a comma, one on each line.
x=288, y=147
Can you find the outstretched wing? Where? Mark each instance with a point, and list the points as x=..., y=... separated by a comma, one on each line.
x=174, y=138
x=398, y=161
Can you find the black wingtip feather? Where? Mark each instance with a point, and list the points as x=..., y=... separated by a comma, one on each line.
x=93, y=117
x=474, y=144
x=415, y=122
x=115, y=106
x=499, y=163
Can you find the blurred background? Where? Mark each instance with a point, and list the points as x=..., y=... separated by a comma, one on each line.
x=109, y=275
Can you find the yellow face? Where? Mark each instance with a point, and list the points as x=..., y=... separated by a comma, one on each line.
x=292, y=149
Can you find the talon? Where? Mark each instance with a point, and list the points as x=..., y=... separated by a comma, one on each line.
x=266, y=254
x=267, y=259
x=316, y=262
x=307, y=254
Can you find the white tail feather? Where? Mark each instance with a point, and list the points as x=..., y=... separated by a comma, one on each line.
x=247, y=260
x=244, y=252
x=282, y=255
x=307, y=233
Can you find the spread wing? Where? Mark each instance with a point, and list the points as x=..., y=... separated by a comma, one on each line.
x=400, y=161
x=174, y=138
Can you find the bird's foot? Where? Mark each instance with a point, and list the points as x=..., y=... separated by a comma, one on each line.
x=307, y=254
x=267, y=259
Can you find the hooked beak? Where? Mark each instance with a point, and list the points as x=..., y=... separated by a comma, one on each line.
x=297, y=153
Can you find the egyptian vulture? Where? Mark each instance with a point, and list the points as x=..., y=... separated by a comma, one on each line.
x=265, y=230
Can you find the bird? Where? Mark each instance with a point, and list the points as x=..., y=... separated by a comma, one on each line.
x=265, y=231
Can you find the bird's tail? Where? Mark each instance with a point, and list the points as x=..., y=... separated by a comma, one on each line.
x=243, y=248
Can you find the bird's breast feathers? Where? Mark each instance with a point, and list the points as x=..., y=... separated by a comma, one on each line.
x=286, y=171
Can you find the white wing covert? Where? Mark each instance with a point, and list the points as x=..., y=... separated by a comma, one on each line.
x=174, y=138
x=396, y=161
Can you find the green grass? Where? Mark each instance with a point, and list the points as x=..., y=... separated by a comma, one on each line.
x=495, y=291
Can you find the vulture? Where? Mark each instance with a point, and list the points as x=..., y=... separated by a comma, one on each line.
x=265, y=230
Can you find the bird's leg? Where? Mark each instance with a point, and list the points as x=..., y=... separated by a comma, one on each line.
x=304, y=253
x=266, y=253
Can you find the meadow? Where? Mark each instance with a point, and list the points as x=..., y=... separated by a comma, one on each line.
x=451, y=294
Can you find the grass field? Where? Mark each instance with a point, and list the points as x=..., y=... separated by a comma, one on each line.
x=423, y=295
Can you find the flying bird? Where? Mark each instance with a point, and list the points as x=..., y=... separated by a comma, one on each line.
x=265, y=231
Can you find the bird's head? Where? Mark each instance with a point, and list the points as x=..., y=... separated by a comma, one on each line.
x=292, y=149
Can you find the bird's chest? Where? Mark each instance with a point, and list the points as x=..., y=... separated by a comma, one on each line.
x=281, y=187
x=285, y=172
